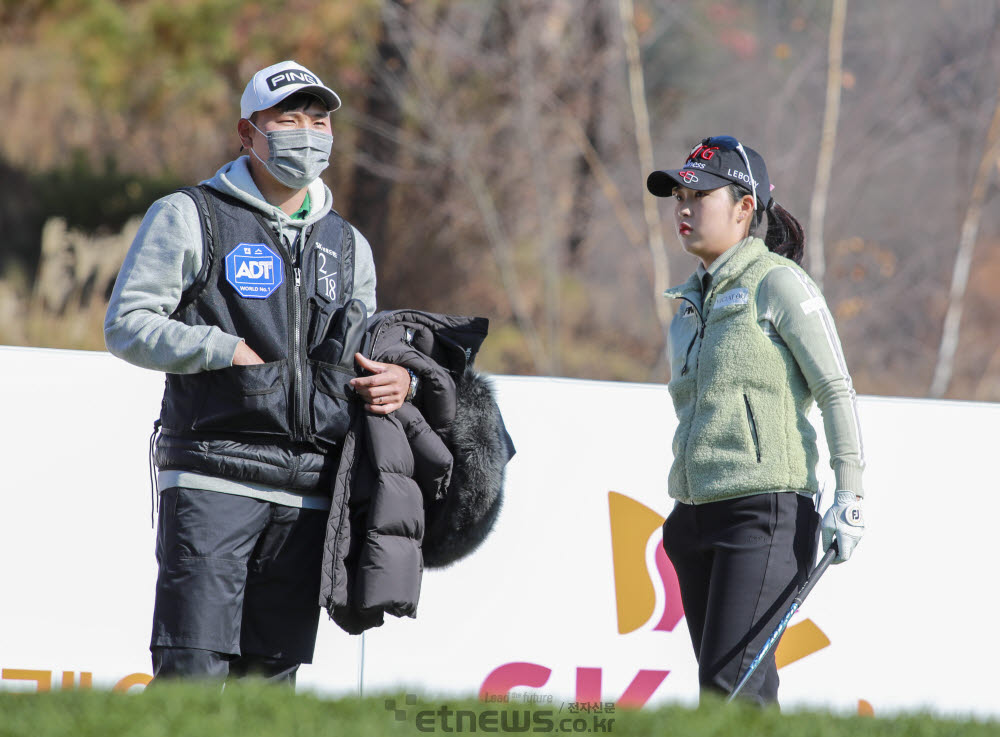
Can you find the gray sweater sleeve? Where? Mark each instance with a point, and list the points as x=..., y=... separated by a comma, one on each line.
x=162, y=262
x=792, y=303
x=364, y=272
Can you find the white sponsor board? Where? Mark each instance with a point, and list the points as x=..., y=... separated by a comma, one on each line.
x=536, y=611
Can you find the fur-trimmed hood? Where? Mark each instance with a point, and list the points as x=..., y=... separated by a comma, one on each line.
x=459, y=522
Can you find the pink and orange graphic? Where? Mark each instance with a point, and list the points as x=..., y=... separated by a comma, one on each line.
x=632, y=525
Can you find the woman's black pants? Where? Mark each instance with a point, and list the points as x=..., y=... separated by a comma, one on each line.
x=739, y=563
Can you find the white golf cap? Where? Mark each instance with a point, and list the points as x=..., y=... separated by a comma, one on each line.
x=273, y=84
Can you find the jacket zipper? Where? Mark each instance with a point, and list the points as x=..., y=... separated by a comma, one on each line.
x=699, y=334
x=299, y=423
x=753, y=426
x=371, y=348
x=299, y=429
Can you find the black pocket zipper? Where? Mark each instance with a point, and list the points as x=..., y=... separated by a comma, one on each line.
x=753, y=426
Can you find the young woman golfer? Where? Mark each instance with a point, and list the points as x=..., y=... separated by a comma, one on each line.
x=751, y=346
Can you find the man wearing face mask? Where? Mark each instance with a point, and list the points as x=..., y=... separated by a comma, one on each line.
x=228, y=288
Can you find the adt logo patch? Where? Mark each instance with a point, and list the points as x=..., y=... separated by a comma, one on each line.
x=254, y=270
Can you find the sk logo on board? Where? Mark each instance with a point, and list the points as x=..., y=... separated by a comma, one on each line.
x=254, y=270
x=633, y=524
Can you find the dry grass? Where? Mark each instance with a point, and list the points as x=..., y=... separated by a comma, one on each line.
x=64, y=307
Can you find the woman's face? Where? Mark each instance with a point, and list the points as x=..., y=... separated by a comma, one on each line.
x=708, y=222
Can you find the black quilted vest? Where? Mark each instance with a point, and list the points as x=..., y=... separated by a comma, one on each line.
x=282, y=305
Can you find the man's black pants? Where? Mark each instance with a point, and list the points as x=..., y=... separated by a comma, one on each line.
x=238, y=586
x=739, y=563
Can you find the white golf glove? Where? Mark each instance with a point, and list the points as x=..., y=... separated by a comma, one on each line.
x=845, y=522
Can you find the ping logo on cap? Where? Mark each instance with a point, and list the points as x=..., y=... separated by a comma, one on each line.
x=291, y=76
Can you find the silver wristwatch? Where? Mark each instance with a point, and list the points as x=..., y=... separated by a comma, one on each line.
x=412, y=392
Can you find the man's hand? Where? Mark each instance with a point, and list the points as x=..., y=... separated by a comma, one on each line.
x=844, y=522
x=385, y=390
x=245, y=355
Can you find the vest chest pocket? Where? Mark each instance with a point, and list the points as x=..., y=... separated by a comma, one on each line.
x=730, y=316
x=244, y=399
x=728, y=305
x=331, y=401
x=739, y=297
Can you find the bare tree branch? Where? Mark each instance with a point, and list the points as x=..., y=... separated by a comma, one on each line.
x=541, y=183
x=640, y=114
x=828, y=139
x=505, y=263
x=963, y=259
x=604, y=181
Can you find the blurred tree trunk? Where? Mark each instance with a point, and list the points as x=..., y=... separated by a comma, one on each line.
x=532, y=50
x=372, y=181
x=596, y=43
x=640, y=116
x=503, y=252
x=499, y=40
x=828, y=140
x=963, y=259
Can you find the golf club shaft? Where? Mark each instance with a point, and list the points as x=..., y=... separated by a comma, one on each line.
x=807, y=586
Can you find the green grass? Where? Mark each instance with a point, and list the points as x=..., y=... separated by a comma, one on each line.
x=253, y=710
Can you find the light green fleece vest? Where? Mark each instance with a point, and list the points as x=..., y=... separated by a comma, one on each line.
x=740, y=398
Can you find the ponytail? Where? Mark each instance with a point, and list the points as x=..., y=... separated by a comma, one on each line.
x=785, y=236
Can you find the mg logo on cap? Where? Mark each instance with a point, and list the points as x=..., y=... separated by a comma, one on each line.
x=291, y=76
x=254, y=270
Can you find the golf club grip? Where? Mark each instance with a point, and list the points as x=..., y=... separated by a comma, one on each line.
x=817, y=572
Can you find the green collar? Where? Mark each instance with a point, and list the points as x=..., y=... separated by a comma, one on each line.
x=721, y=260
x=693, y=284
x=731, y=264
x=303, y=212
x=738, y=258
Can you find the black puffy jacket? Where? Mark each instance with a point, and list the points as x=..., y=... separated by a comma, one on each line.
x=422, y=485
